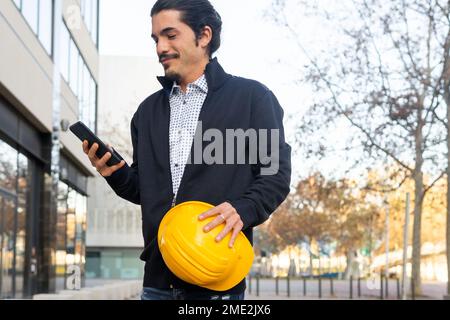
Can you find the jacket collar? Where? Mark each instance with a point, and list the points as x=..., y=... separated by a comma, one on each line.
x=214, y=73
x=200, y=83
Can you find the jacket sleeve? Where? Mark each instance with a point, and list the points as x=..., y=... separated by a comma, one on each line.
x=125, y=181
x=272, y=181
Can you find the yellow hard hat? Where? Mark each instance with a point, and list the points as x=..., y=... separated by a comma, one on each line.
x=194, y=256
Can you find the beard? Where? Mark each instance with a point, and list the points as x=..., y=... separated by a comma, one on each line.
x=173, y=76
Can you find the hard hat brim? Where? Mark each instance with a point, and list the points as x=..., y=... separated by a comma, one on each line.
x=242, y=248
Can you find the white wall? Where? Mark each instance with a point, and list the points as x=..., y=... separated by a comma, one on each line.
x=124, y=83
x=26, y=74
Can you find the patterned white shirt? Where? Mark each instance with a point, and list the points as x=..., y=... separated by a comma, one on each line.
x=184, y=113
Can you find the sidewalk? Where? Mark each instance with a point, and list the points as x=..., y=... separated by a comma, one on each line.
x=340, y=288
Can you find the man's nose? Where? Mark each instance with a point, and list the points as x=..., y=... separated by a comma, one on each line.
x=162, y=47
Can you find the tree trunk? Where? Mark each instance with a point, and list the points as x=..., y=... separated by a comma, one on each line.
x=448, y=196
x=416, y=254
x=310, y=263
x=448, y=201
x=418, y=201
x=447, y=101
x=310, y=258
x=446, y=78
x=320, y=266
x=350, y=257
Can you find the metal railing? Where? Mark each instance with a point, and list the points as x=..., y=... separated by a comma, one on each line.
x=378, y=287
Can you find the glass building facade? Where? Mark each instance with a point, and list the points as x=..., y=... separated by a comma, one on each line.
x=35, y=253
x=74, y=69
x=38, y=14
x=79, y=78
x=89, y=12
x=41, y=239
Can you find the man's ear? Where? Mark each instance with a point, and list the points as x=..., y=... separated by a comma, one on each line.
x=205, y=37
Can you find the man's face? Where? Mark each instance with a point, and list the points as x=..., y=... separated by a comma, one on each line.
x=176, y=45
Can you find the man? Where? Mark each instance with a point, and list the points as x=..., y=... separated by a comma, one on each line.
x=196, y=90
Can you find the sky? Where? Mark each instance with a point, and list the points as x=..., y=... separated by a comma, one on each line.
x=252, y=47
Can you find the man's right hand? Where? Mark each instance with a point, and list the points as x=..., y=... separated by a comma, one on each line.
x=100, y=164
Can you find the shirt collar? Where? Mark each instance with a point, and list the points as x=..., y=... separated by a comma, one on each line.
x=200, y=83
x=214, y=73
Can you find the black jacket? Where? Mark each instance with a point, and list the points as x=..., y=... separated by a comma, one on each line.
x=232, y=103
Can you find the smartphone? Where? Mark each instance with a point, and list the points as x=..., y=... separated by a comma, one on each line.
x=84, y=133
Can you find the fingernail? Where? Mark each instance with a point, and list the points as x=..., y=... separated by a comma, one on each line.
x=206, y=228
x=218, y=239
x=200, y=217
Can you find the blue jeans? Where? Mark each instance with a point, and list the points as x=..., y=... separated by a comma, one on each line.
x=181, y=294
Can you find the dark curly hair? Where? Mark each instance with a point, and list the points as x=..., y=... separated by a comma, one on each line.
x=197, y=14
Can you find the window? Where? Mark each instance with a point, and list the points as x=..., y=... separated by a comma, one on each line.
x=94, y=29
x=18, y=3
x=65, y=43
x=30, y=12
x=39, y=16
x=80, y=229
x=70, y=228
x=61, y=226
x=88, y=92
x=15, y=192
x=73, y=70
x=89, y=12
x=8, y=167
x=76, y=229
x=85, y=97
x=92, y=103
x=45, y=24
x=79, y=78
x=23, y=190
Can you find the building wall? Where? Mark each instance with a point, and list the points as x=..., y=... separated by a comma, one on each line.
x=114, y=263
x=115, y=227
x=42, y=241
x=26, y=75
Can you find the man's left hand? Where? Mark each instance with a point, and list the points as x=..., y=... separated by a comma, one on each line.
x=225, y=213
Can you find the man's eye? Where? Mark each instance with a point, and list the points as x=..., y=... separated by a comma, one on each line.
x=171, y=37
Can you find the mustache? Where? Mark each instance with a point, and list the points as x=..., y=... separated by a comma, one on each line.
x=168, y=56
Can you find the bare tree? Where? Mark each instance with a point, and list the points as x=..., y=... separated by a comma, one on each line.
x=386, y=80
x=327, y=213
x=445, y=90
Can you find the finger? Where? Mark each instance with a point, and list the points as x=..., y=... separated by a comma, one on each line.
x=217, y=221
x=110, y=170
x=224, y=232
x=92, y=152
x=211, y=212
x=237, y=228
x=221, y=218
x=102, y=162
x=85, y=147
x=117, y=166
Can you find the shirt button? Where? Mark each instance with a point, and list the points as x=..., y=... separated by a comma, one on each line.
x=171, y=286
